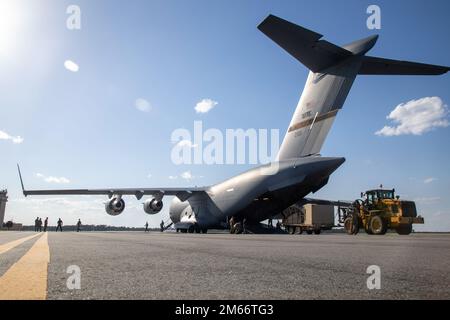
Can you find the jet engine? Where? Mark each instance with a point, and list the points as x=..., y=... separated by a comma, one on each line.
x=153, y=206
x=115, y=206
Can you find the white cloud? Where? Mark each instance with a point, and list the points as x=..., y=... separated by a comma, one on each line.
x=416, y=117
x=187, y=175
x=142, y=105
x=14, y=139
x=186, y=143
x=51, y=179
x=71, y=66
x=429, y=180
x=205, y=105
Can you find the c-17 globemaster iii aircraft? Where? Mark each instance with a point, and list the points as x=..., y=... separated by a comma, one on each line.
x=298, y=170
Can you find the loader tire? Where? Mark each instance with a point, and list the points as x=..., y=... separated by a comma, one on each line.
x=351, y=224
x=367, y=228
x=404, y=230
x=377, y=225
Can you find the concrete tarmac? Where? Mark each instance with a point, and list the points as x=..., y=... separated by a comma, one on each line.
x=138, y=265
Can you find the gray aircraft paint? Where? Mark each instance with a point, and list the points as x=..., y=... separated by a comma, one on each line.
x=235, y=195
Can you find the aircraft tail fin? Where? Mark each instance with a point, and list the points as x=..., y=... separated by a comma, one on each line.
x=333, y=70
x=303, y=44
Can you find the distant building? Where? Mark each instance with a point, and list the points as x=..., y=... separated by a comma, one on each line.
x=3, y=200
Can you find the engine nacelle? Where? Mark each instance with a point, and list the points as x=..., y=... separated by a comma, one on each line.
x=115, y=206
x=153, y=206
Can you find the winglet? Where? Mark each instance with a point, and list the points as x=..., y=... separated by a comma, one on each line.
x=21, y=181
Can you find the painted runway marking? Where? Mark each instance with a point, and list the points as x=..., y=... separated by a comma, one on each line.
x=27, y=278
x=8, y=246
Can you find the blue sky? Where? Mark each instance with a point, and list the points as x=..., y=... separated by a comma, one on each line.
x=84, y=126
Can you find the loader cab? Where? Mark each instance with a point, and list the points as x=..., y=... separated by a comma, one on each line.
x=373, y=196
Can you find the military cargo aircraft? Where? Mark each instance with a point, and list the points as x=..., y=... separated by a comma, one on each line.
x=299, y=169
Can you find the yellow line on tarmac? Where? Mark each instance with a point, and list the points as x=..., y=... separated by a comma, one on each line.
x=8, y=246
x=27, y=278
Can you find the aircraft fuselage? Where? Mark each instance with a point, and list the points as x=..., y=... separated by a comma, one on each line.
x=256, y=194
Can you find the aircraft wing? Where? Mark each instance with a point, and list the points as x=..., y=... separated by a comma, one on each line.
x=182, y=193
x=374, y=65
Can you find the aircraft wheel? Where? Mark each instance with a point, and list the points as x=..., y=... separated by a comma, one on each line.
x=309, y=231
x=291, y=230
x=191, y=229
x=238, y=228
x=317, y=231
x=299, y=230
x=204, y=230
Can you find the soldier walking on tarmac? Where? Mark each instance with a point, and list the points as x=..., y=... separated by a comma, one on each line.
x=59, y=226
x=79, y=225
x=45, y=224
x=146, y=227
x=162, y=225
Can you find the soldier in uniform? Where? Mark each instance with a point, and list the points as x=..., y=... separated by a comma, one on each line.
x=59, y=226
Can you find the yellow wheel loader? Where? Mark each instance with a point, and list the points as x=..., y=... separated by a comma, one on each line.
x=378, y=211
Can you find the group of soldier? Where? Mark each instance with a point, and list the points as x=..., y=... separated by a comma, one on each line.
x=161, y=226
x=38, y=225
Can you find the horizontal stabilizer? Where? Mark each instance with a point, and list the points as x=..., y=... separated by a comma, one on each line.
x=303, y=44
x=374, y=65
